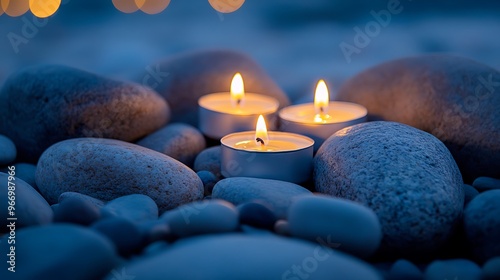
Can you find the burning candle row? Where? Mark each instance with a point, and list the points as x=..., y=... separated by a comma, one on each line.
x=249, y=150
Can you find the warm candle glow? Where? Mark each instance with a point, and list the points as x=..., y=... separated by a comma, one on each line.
x=321, y=98
x=237, y=89
x=261, y=137
x=321, y=102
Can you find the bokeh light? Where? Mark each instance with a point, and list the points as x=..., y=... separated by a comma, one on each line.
x=128, y=6
x=15, y=8
x=44, y=8
x=152, y=6
x=226, y=6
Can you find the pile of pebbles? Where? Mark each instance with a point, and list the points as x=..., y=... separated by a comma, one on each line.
x=115, y=181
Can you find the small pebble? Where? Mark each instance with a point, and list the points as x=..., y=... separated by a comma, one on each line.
x=122, y=232
x=207, y=216
x=486, y=183
x=337, y=223
x=282, y=227
x=254, y=230
x=74, y=209
x=94, y=201
x=491, y=269
x=155, y=248
x=452, y=269
x=8, y=150
x=278, y=195
x=403, y=269
x=31, y=209
x=209, y=160
x=153, y=231
x=179, y=141
x=59, y=251
x=482, y=225
x=135, y=207
x=257, y=215
x=470, y=192
x=209, y=180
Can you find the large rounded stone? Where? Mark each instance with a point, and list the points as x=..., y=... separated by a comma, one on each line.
x=257, y=256
x=8, y=150
x=180, y=141
x=30, y=207
x=405, y=175
x=183, y=79
x=59, y=252
x=278, y=195
x=337, y=223
x=107, y=169
x=453, y=98
x=42, y=105
x=482, y=225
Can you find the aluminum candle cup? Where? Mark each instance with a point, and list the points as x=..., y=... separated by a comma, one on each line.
x=321, y=119
x=302, y=119
x=286, y=156
x=234, y=111
x=219, y=116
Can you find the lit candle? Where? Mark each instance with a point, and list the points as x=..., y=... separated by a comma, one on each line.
x=319, y=120
x=228, y=112
x=270, y=155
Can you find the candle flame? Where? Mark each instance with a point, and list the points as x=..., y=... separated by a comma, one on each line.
x=237, y=89
x=261, y=136
x=321, y=98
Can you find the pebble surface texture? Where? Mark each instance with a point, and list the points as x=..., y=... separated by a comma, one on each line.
x=107, y=169
x=60, y=252
x=405, y=175
x=42, y=105
x=453, y=98
x=31, y=209
x=258, y=256
x=186, y=77
x=482, y=225
x=348, y=226
x=180, y=141
x=278, y=195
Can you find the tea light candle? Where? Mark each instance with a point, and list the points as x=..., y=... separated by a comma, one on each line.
x=270, y=155
x=228, y=112
x=321, y=119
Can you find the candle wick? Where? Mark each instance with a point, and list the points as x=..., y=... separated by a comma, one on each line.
x=322, y=110
x=238, y=101
x=258, y=139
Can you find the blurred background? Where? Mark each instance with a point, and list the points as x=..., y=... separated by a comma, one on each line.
x=296, y=41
